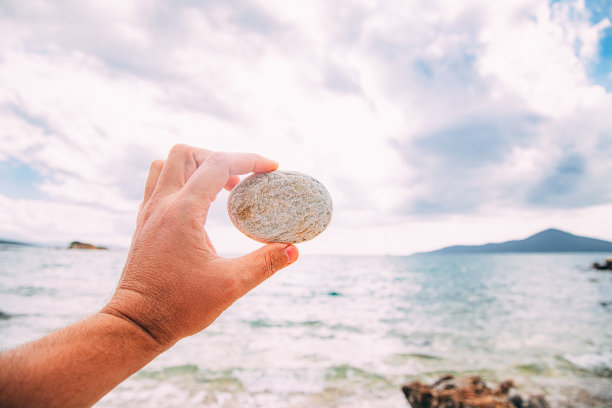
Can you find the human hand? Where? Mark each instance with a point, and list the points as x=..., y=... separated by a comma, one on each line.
x=174, y=284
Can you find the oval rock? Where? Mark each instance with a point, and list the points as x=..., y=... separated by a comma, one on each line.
x=280, y=206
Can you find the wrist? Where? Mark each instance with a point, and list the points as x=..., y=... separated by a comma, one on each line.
x=144, y=342
x=149, y=316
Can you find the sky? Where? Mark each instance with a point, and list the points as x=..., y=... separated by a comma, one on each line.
x=431, y=123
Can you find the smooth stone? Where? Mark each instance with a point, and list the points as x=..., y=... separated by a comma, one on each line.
x=280, y=206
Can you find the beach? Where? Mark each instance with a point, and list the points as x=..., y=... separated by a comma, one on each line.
x=338, y=331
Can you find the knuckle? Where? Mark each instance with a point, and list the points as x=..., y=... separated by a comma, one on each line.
x=217, y=158
x=180, y=149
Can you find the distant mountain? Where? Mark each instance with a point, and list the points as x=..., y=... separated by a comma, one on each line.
x=551, y=240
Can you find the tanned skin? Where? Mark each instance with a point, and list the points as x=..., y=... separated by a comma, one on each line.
x=173, y=285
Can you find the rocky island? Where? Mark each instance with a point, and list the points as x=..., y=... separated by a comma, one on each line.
x=83, y=245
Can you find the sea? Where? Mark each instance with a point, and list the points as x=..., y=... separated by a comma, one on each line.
x=348, y=331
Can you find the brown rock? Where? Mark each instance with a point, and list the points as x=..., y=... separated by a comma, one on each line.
x=470, y=392
x=537, y=401
x=505, y=386
x=420, y=395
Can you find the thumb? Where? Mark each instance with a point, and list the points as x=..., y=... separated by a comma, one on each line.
x=262, y=263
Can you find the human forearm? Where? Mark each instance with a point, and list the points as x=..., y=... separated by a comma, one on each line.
x=174, y=285
x=75, y=366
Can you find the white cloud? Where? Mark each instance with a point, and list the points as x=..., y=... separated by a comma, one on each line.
x=354, y=93
x=542, y=59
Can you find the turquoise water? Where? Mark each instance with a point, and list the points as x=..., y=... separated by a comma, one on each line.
x=349, y=331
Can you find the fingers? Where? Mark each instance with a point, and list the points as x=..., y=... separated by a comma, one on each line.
x=182, y=161
x=259, y=265
x=217, y=170
x=152, y=178
x=150, y=186
x=212, y=170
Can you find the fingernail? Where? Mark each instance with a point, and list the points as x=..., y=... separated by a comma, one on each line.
x=292, y=253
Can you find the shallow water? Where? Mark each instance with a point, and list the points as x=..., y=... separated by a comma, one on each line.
x=348, y=331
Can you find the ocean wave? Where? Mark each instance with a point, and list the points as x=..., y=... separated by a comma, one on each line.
x=314, y=324
x=599, y=364
x=263, y=323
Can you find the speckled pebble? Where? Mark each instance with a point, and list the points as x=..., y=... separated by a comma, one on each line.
x=280, y=206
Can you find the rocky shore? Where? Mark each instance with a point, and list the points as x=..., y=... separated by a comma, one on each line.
x=470, y=392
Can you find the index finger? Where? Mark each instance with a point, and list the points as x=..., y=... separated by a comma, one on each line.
x=215, y=171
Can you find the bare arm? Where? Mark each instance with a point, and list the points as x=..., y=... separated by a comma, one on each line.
x=173, y=285
x=74, y=366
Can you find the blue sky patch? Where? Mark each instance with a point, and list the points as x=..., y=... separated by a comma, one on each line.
x=19, y=180
x=599, y=9
x=599, y=70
